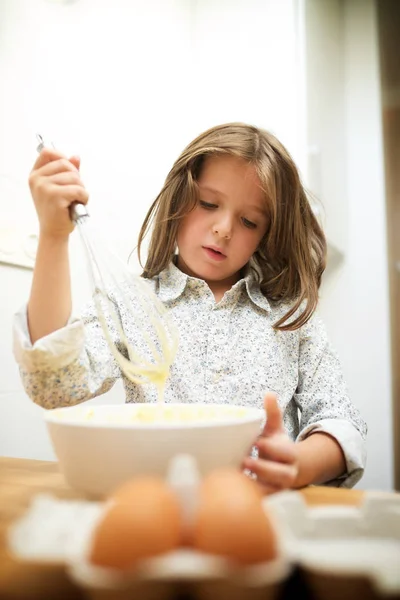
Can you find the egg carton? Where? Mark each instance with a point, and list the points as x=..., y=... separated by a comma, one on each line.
x=342, y=551
x=59, y=531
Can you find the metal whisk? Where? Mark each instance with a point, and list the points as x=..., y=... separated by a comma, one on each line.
x=134, y=367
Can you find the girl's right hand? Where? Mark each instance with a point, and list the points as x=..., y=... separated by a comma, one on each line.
x=55, y=184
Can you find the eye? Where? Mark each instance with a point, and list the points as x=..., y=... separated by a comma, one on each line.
x=207, y=205
x=249, y=224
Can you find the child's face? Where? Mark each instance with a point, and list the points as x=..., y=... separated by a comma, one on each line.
x=217, y=239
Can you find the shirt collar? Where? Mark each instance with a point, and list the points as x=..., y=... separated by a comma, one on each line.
x=172, y=284
x=254, y=291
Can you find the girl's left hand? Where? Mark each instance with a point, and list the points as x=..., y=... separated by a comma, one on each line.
x=277, y=465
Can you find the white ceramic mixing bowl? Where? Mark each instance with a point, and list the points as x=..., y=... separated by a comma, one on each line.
x=100, y=447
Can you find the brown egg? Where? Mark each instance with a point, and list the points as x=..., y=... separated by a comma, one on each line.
x=231, y=521
x=143, y=519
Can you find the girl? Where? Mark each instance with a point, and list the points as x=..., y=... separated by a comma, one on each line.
x=236, y=255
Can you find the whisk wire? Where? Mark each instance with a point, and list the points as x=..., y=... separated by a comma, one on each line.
x=138, y=368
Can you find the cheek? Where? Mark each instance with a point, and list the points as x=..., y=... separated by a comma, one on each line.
x=258, y=239
x=251, y=242
x=188, y=228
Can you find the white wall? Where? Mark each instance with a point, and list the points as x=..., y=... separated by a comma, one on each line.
x=365, y=279
x=246, y=67
x=345, y=125
x=325, y=115
x=127, y=85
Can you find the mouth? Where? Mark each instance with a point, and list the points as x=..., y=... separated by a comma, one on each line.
x=214, y=252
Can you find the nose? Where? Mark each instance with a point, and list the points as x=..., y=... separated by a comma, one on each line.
x=223, y=227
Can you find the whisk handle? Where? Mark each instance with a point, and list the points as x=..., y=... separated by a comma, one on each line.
x=77, y=211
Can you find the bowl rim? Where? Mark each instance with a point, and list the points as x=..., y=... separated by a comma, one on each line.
x=254, y=415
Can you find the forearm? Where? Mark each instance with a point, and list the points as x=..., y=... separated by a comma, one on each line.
x=50, y=304
x=321, y=459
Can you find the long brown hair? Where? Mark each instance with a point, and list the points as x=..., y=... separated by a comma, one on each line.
x=290, y=259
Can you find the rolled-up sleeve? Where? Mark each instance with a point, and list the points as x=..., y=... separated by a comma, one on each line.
x=324, y=403
x=66, y=367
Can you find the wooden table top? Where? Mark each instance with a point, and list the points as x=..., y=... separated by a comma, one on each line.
x=22, y=479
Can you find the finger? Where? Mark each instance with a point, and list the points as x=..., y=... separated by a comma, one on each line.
x=268, y=490
x=76, y=161
x=264, y=488
x=72, y=193
x=278, y=449
x=56, y=166
x=274, y=422
x=274, y=474
x=47, y=155
x=66, y=178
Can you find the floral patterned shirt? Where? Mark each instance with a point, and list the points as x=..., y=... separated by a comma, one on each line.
x=228, y=352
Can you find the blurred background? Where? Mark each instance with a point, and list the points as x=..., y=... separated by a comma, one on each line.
x=127, y=84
